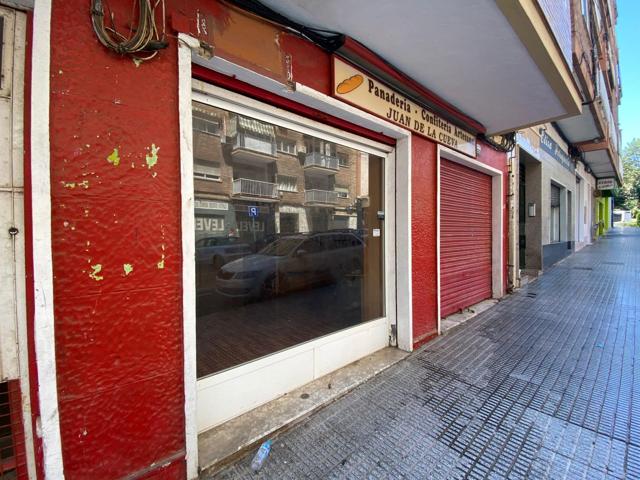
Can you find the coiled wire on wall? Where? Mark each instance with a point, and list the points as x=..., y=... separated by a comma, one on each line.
x=144, y=38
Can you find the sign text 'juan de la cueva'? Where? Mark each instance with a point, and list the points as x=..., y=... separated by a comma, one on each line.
x=357, y=88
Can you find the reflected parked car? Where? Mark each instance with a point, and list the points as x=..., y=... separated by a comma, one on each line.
x=293, y=262
x=217, y=251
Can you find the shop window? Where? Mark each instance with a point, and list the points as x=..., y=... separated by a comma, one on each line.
x=287, y=183
x=554, y=216
x=273, y=272
x=205, y=170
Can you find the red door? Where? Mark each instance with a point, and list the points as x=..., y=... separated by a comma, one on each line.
x=465, y=237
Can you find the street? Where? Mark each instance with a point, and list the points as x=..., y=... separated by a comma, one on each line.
x=542, y=385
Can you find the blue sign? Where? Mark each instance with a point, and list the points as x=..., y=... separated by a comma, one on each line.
x=253, y=212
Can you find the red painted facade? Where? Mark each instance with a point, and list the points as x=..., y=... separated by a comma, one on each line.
x=119, y=342
x=117, y=242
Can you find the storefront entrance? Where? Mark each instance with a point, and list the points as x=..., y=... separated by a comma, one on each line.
x=290, y=275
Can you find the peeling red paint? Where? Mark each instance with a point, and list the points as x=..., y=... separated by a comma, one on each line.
x=118, y=337
x=424, y=237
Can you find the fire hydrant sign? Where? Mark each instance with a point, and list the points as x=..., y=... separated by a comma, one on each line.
x=360, y=90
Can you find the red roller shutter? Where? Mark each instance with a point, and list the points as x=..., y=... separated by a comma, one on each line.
x=465, y=237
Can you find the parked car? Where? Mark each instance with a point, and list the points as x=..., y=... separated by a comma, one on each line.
x=293, y=262
x=214, y=252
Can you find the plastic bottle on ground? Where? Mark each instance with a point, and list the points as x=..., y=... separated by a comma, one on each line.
x=261, y=456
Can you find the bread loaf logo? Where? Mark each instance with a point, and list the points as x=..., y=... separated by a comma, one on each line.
x=350, y=84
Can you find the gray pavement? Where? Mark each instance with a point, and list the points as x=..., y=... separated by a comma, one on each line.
x=543, y=385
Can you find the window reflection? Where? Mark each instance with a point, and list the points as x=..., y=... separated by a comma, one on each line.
x=288, y=243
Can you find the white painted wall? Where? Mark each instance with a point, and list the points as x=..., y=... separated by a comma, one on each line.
x=14, y=359
x=49, y=421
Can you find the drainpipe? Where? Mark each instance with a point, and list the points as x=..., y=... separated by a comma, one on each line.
x=513, y=276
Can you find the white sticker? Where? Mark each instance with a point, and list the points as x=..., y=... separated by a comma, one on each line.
x=376, y=232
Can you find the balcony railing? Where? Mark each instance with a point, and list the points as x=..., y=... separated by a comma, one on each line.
x=317, y=159
x=321, y=196
x=255, y=188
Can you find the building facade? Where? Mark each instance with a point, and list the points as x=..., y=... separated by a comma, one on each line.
x=238, y=201
x=563, y=171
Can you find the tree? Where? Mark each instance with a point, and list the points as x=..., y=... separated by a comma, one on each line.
x=628, y=195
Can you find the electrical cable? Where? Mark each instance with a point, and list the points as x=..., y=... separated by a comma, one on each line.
x=506, y=142
x=144, y=38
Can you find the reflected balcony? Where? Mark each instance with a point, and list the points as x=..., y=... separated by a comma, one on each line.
x=316, y=163
x=253, y=150
x=246, y=187
x=320, y=197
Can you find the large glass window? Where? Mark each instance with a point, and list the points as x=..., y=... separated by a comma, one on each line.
x=289, y=246
x=555, y=214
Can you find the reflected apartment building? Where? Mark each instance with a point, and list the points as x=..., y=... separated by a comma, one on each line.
x=255, y=181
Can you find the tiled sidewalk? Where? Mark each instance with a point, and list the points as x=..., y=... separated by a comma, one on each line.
x=543, y=385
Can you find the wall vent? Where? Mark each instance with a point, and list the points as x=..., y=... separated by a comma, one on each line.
x=12, y=451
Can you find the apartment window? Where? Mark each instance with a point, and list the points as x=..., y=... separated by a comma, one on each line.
x=343, y=192
x=287, y=183
x=205, y=123
x=205, y=170
x=554, y=216
x=286, y=146
x=343, y=160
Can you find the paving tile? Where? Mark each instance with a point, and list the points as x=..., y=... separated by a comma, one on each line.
x=539, y=387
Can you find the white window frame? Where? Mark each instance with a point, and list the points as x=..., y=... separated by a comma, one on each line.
x=204, y=175
x=398, y=265
x=285, y=141
x=341, y=163
x=343, y=192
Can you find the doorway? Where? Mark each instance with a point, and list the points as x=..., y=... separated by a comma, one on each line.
x=530, y=215
x=288, y=304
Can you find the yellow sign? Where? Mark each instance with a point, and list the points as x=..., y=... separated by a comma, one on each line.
x=357, y=88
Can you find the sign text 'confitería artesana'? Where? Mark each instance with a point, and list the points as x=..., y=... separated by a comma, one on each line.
x=359, y=89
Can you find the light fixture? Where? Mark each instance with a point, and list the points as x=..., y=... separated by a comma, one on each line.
x=531, y=209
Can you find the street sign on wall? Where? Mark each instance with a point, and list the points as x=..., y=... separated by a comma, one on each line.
x=606, y=183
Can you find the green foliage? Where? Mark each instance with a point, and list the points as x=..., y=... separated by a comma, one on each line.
x=628, y=196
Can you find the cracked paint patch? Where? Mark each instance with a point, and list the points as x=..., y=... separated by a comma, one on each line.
x=161, y=262
x=152, y=156
x=97, y=268
x=128, y=268
x=114, y=158
x=84, y=184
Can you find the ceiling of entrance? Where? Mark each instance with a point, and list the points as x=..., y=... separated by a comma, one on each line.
x=464, y=51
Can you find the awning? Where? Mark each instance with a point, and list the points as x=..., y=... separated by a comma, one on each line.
x=257, y=127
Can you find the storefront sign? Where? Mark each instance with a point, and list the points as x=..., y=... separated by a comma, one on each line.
x=209, y=224
x=552, y=147
x=606, y=183
x=357, y=88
